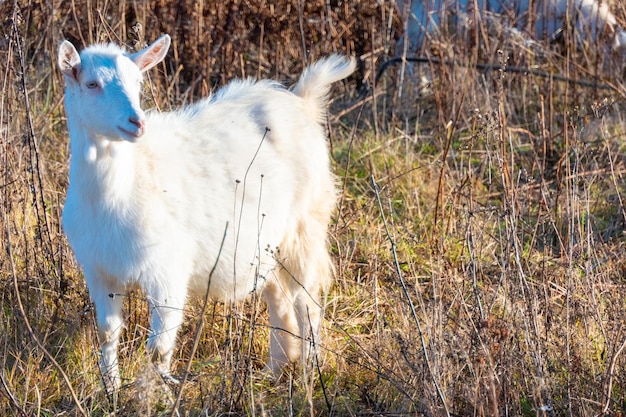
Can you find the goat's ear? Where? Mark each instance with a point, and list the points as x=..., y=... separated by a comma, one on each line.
x=153, y=54
x=69, y=60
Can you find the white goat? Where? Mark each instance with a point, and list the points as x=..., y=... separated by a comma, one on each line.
x=151, y=195
x=546, y=17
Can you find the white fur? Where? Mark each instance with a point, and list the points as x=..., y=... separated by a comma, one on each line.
x=151, y=195
x=589, y=17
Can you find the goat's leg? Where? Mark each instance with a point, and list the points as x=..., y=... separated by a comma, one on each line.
x=309, y=315
x=312, y=274
x=108, y=301
x=166, y=319
x=284, y=334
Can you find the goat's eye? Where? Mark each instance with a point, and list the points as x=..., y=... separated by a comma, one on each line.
x=92, y=84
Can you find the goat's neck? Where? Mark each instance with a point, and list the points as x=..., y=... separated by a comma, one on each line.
x=101, y=167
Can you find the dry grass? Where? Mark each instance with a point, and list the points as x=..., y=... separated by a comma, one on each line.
x=480, y=236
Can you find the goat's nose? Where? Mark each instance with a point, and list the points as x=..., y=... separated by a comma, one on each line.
x=137, y=121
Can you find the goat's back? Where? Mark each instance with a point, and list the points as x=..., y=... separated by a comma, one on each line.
x=252, y=156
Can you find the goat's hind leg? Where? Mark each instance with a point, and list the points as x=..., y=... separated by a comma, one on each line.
x=309, y=315
x=309, y=304
x=284, y=334
x=311, y=274
x=296, y=308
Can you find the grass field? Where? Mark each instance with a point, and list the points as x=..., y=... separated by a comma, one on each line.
x=479, y=240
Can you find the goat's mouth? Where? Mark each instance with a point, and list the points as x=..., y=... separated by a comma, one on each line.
x=132, y=134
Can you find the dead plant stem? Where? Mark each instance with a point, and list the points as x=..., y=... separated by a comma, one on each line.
x=22, y=311
x=405, y=291
x=11, y=397
x=35, y=170
x=200, y=326
x=610, y=375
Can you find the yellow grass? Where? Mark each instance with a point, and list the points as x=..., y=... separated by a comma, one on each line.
x=479, y=238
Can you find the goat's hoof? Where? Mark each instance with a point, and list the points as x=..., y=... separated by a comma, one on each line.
x=112, y=384
x=169, y=379
x=271, y=374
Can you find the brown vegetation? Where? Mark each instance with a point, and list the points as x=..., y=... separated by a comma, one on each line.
x=480, y=236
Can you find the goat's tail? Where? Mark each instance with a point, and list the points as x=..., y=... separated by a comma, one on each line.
x=314, y=83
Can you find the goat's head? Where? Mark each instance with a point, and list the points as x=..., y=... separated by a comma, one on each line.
x=103, y=86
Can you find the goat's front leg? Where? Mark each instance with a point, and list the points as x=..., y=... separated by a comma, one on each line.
x=108, y=301
x=167, y=316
